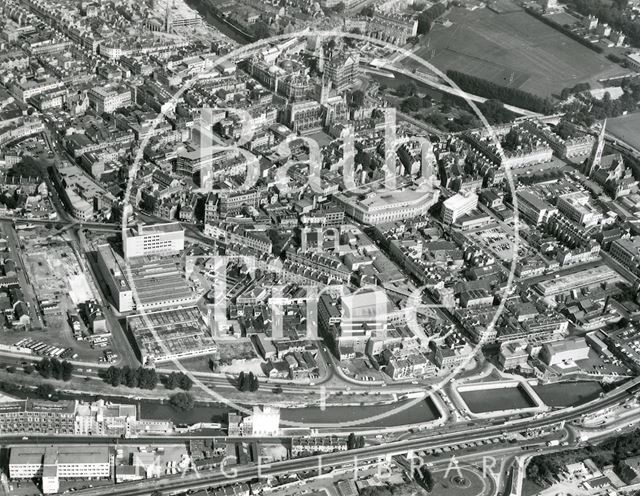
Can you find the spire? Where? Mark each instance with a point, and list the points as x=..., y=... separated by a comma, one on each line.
x=596, y=157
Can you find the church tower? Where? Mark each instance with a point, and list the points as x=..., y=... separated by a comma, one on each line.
x=595, y=159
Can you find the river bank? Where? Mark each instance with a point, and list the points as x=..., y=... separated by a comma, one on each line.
x=213, y=17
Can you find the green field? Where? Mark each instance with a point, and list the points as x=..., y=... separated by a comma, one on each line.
x=513, y=49
x=626, y=128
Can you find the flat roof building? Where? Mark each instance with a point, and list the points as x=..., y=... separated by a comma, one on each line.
x=52, y=463
x=114, y=277
x=533, y=208
x=589, y=277
x=377, y=207
x=37, y=417
x=171, y=334
x=154, y=239
x=458, y=205
x=577, y=207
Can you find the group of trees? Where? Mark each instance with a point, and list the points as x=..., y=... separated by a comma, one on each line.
x=182, y=401
x=47, y=392
x=613, y=451
x=9, y=199
x=414, y=104
x=587, y=110
x=424, y=477
x=578, y=88
x=494, y=112
x=613, y=14
x=565, y=31
x=261, y=30
x=52, y=368
x=491, y=90
x=178, y=380
x=427, y=16
x=248, y=382
x=368, y=11
x=355, y=442
x=142, y=377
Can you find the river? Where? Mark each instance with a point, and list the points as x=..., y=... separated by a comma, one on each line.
x=565, y=394
x=204, y=8
x=491, y=400
x=310, y=416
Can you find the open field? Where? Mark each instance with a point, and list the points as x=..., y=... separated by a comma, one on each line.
x=513, y=49
x=627, y=128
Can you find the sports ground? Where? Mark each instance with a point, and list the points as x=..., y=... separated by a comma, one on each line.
x=513, y=49
x=626, y=128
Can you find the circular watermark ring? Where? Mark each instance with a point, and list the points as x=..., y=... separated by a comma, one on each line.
x=241, y=52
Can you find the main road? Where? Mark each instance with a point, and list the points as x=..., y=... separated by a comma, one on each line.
x=184, y=482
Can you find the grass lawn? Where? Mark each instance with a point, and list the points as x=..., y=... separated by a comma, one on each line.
x=626, y=128
x=513, y=49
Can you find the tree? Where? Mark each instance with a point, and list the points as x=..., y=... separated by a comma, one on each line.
x=248, y=382
x=47, y=392
x=411, y=104
x=182, y=401
x=185, y=382
x=489, y=89
x=44, y=368
x=261, y=30
x=427, y=478
x=149, y=203
x=109, y=374
x=28, y=369
x=130, y=376
x=171, y=381
x=352, y=442
x=11, y=369
x=406, y=89
x=67, y=370
x=116, y=377
x=148, y=378
x=254, y=384
x=368, y=11
x=339, y=8
x=56, y=369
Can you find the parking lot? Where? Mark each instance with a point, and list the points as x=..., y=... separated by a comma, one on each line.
x=496, y=241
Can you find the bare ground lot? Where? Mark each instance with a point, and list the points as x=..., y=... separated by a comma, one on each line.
x=626, y=128
x=513, y=49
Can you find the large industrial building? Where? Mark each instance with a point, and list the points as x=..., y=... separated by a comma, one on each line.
x=146, y=282
x=154, y=239
x=171, y=334
x=568, y=351
x=114, y=277
x=52, y=463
